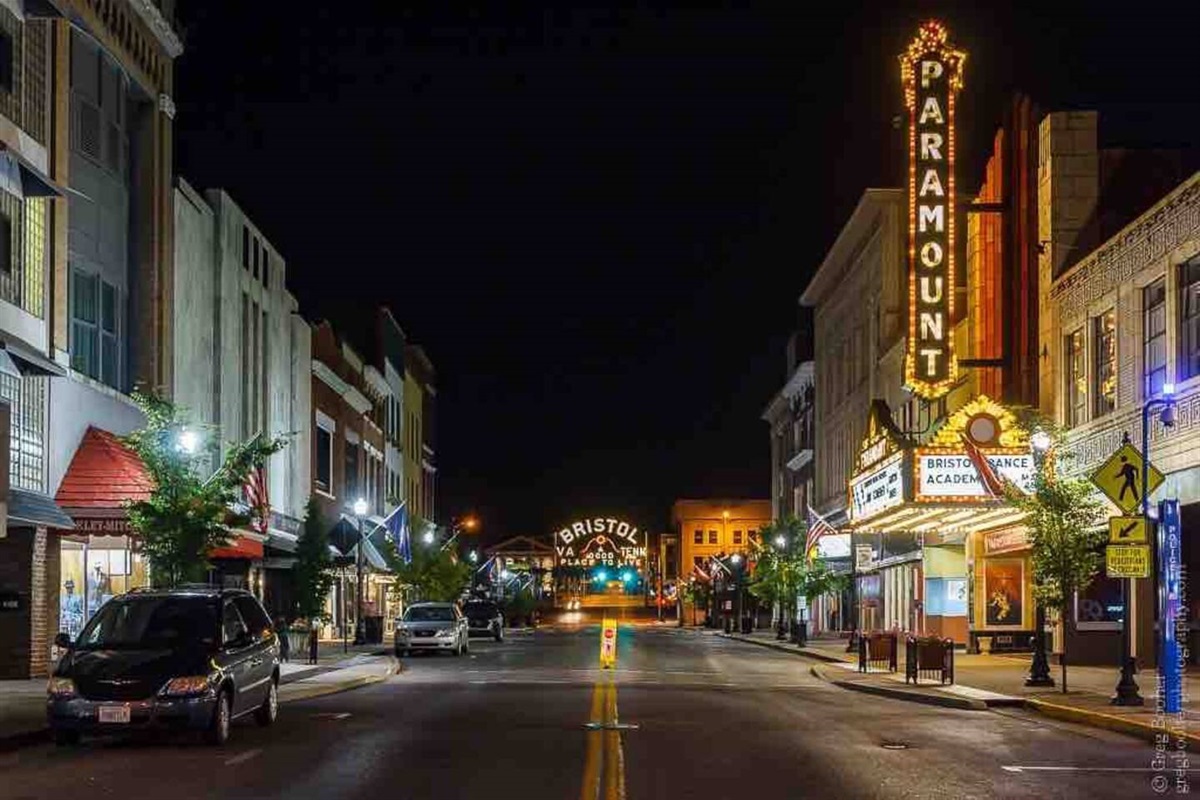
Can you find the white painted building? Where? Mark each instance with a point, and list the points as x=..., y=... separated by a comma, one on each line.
x=243, y=364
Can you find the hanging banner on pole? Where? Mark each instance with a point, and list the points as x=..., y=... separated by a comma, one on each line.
x=1170, y=587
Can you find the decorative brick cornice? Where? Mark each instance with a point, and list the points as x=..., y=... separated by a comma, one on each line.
x=159, y=26
x=1171, y=223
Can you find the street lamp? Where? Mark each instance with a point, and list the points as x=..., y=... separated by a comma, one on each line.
x=1039, y=669
x=781, y=541
x=474, y=556
x=360, y=624
x=428, y=537
x=189, y=441
x=1127, y=689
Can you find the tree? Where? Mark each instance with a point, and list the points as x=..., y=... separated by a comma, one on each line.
x=187, y=515
x=1063, y=517
x=312, y=576
x=697, y=593
x=434, y=574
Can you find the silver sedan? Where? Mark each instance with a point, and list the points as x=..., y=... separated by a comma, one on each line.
x=432, y=626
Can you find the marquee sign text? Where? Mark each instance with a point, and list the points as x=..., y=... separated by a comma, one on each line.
x=600, y=541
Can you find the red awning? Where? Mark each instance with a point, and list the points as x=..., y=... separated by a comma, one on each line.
x=103, y=475
x=240, y=547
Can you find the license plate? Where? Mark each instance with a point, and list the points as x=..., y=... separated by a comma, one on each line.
x=114, y=714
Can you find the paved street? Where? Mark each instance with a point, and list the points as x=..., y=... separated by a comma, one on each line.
x=714, y=719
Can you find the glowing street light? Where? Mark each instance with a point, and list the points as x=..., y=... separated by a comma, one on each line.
x=505, y=574
x=428, y=537
x=626, y=577
x=474, y=556
x=736, y=558
x=189, y=441
x=360, y=507
x=1040, y=440
x=781, y=541
x=601, y=576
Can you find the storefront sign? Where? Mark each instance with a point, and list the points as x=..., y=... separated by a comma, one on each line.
x=834, y=545
x=879, y=490
x=1127, y=561
x=109, y=526
x=600, y=541
x=931, y=71
x=952, y=475
x=1005, y=541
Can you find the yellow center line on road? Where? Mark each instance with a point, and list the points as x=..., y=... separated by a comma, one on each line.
x=604, y=765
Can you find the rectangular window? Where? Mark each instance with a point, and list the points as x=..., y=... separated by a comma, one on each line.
x=34, y=263
x=1105, y=337
x=26, y=397
x=323, y=476
x=266, y=268
x=245, y=247
x=737, y=537
x=85, y=327
x=6, y=244
x=255, y=258
x=244, y=383
x=350, y=480
x=1076, y=375
x=7, y=62
x=712, y=537
x=1189, y=328
x=1154, y=336
x=109, y=358
x=697, y=537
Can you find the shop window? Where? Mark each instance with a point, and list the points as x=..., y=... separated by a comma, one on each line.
x=737, y=537
x=697, y=537
x=712, y=537
x=1105, y=337
x=91, y=574
x=323, y=475
x=1189, y=328
x=1101, y=607
x=1154, y=337
x=1076, y=376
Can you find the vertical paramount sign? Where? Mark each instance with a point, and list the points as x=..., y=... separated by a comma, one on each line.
x=932, y=74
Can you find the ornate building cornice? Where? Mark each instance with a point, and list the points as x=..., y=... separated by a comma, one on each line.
x=158, y=25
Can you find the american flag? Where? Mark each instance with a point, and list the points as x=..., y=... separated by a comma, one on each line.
x=817, y=527
x=256, y=498
x=993, y=484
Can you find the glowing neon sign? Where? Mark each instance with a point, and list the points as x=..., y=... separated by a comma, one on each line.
x=931, y=71
x=600, y=542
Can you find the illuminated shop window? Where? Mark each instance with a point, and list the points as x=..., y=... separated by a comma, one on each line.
x=1189, y=329
x=1106, y=362
x=1154, y=327
x=1076, y=374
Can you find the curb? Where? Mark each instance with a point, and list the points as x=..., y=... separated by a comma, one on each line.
x=783, y=648
x=1110, y=722
x=960, y=703
x=308, y=693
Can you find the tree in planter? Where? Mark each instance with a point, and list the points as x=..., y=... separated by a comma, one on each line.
x=815, y=579
x=780, y=566
x=312, y=576
x=1063, y=517
x=187, y=515
x=434, y=574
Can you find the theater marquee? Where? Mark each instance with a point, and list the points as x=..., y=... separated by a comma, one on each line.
x=931, y=71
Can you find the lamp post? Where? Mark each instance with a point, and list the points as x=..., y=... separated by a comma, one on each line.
x=360, y=624
x=1127, y=693
x=1039, y=669
x=780, y=623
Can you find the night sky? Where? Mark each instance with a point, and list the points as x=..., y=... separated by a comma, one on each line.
x=598, y=223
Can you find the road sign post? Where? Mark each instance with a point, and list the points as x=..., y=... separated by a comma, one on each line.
x=608, y=644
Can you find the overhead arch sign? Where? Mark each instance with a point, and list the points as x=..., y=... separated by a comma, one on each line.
x=600, y=541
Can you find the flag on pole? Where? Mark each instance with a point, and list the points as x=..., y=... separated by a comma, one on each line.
x=993, y=484
x=699, y=571
x=256, y=497
x=817, y=527
x=398, y=532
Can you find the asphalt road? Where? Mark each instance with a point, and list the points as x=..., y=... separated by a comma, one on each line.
x=708, y=718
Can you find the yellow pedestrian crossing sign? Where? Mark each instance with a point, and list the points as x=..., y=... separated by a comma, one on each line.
x=1127, y=530
x=1120, y=478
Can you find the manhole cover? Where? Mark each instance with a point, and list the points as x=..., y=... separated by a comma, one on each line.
x=894, y=746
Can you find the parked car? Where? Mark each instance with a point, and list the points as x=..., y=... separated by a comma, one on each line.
x=188, y=658
x=484, y=618
x=432, y=626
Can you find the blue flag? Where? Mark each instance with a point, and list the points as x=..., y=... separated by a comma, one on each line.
x=398, y=532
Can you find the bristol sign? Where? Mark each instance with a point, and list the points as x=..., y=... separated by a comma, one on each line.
x=600, y=541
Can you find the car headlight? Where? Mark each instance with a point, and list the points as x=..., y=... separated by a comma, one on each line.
x=188, y=685
x=60, y=687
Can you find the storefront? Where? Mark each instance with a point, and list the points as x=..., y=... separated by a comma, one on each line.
x=922, y=517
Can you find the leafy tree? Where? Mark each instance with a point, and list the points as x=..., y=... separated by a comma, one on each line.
x=783, y=572
x=434, y=574
x=187, y=515
x=312, y=576
x=1063, y=516
x=696, y=592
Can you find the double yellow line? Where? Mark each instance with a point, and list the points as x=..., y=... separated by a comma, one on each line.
x=604, y=768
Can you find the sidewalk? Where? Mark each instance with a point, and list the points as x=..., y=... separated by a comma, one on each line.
x=23, y=703
x=990, y=681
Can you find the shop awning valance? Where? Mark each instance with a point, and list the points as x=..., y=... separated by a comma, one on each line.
x=32, y=508
x=240, y=546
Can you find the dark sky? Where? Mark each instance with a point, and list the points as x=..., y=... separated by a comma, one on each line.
x=598, y=223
